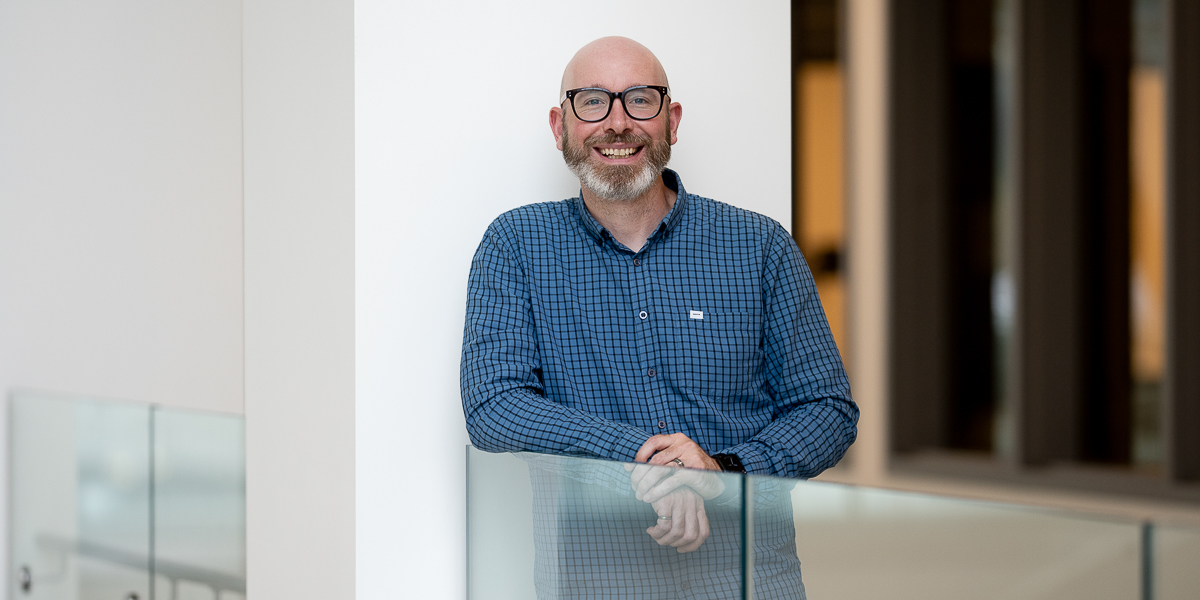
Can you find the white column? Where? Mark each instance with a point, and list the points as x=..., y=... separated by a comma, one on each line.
x=451, y=129
x=866, y=220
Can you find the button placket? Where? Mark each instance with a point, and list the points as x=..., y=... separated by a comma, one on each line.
x=642, y=294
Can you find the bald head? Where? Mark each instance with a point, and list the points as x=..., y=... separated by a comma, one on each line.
x=614, y=63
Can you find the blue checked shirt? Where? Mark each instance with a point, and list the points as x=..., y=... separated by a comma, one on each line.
x=575, y=344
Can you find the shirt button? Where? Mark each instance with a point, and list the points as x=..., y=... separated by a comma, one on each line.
x=643, y=314
x=637, y=262
x=662, y=424
x=651, y=372
x=685, y=586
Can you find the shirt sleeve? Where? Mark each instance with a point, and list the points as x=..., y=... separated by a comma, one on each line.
x=815, y=419
x=502, y=393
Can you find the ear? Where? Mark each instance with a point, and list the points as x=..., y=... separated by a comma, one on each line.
x=674, y=114
x=556, y=126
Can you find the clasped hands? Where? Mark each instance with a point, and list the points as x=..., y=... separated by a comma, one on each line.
x=677, y=494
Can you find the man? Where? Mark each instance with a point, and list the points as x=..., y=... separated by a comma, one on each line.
x=638, y=322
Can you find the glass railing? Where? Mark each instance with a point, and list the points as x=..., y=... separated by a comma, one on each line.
x=1174, y=561
x=553, y=527
x=116, y=501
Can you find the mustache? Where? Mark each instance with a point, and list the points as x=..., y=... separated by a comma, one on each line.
x=618, y=138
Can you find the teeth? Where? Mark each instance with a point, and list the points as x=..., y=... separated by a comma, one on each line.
x=617, y=152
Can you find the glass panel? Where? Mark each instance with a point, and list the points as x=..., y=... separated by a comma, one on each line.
x=80, y=498
x=199, y=506
x=560, y=527
x=44, y=486
x=1176, y=558
x=113, y=457
x=92, y=520
x=869, y=543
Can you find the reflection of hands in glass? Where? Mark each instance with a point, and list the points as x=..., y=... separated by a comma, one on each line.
x=682, y=522
x=653, y=483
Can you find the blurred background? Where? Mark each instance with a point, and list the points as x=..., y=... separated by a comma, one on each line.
x=244, y=207
x=1036, y=317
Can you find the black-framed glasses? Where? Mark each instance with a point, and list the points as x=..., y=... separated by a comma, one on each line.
x=641, y=102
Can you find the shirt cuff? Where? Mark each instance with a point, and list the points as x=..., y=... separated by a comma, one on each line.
x=626, y=444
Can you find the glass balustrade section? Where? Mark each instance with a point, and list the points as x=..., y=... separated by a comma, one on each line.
x=112, y=500
x=199, y=505
x=860, y=542
x=121, y=501
x=1175, y=562
x=543, y=527
x=555, y=527
x=80, y=497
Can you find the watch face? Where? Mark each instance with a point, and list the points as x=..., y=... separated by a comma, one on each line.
x=730, y=462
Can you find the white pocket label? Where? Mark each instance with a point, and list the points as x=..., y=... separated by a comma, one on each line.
x=696, y=314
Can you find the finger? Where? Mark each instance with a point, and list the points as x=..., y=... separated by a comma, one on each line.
x=659, y=532
x=693, y=539
x=681, y=447
x=638, y=472
x=702, y=531
x=652, y=445
x=660, y=529
x=664, y=486
x=650, y=477
x=694, y=457
x=691, y=530
x=662, y=526
x=678, y=517
x=666, y=455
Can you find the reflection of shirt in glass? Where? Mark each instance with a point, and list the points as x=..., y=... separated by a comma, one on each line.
x=576, y=345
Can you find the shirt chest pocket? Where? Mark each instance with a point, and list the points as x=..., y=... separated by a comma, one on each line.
x=717, y=355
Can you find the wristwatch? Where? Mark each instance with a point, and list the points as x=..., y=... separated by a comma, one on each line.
x=730, y=463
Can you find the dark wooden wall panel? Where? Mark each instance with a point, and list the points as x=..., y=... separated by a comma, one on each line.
x=1046, y=363
x=1182, y=415
x=918, y=228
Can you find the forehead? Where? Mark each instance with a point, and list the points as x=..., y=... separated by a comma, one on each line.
x=615, y=67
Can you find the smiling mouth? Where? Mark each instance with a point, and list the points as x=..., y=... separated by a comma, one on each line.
x=619, y=152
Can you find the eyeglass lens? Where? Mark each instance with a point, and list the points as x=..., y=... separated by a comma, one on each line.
x=640, y=103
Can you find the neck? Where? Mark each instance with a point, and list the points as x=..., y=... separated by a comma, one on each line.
x=631, y=222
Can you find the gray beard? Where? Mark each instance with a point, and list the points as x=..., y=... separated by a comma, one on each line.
x=619, y=182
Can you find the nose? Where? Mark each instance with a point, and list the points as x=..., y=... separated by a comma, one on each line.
x=617, y=120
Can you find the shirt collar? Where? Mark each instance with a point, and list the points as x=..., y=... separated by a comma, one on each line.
x=673, y=183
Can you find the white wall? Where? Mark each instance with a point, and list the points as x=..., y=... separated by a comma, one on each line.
x=430, y=176
x=299, y=215
x=120, y=201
